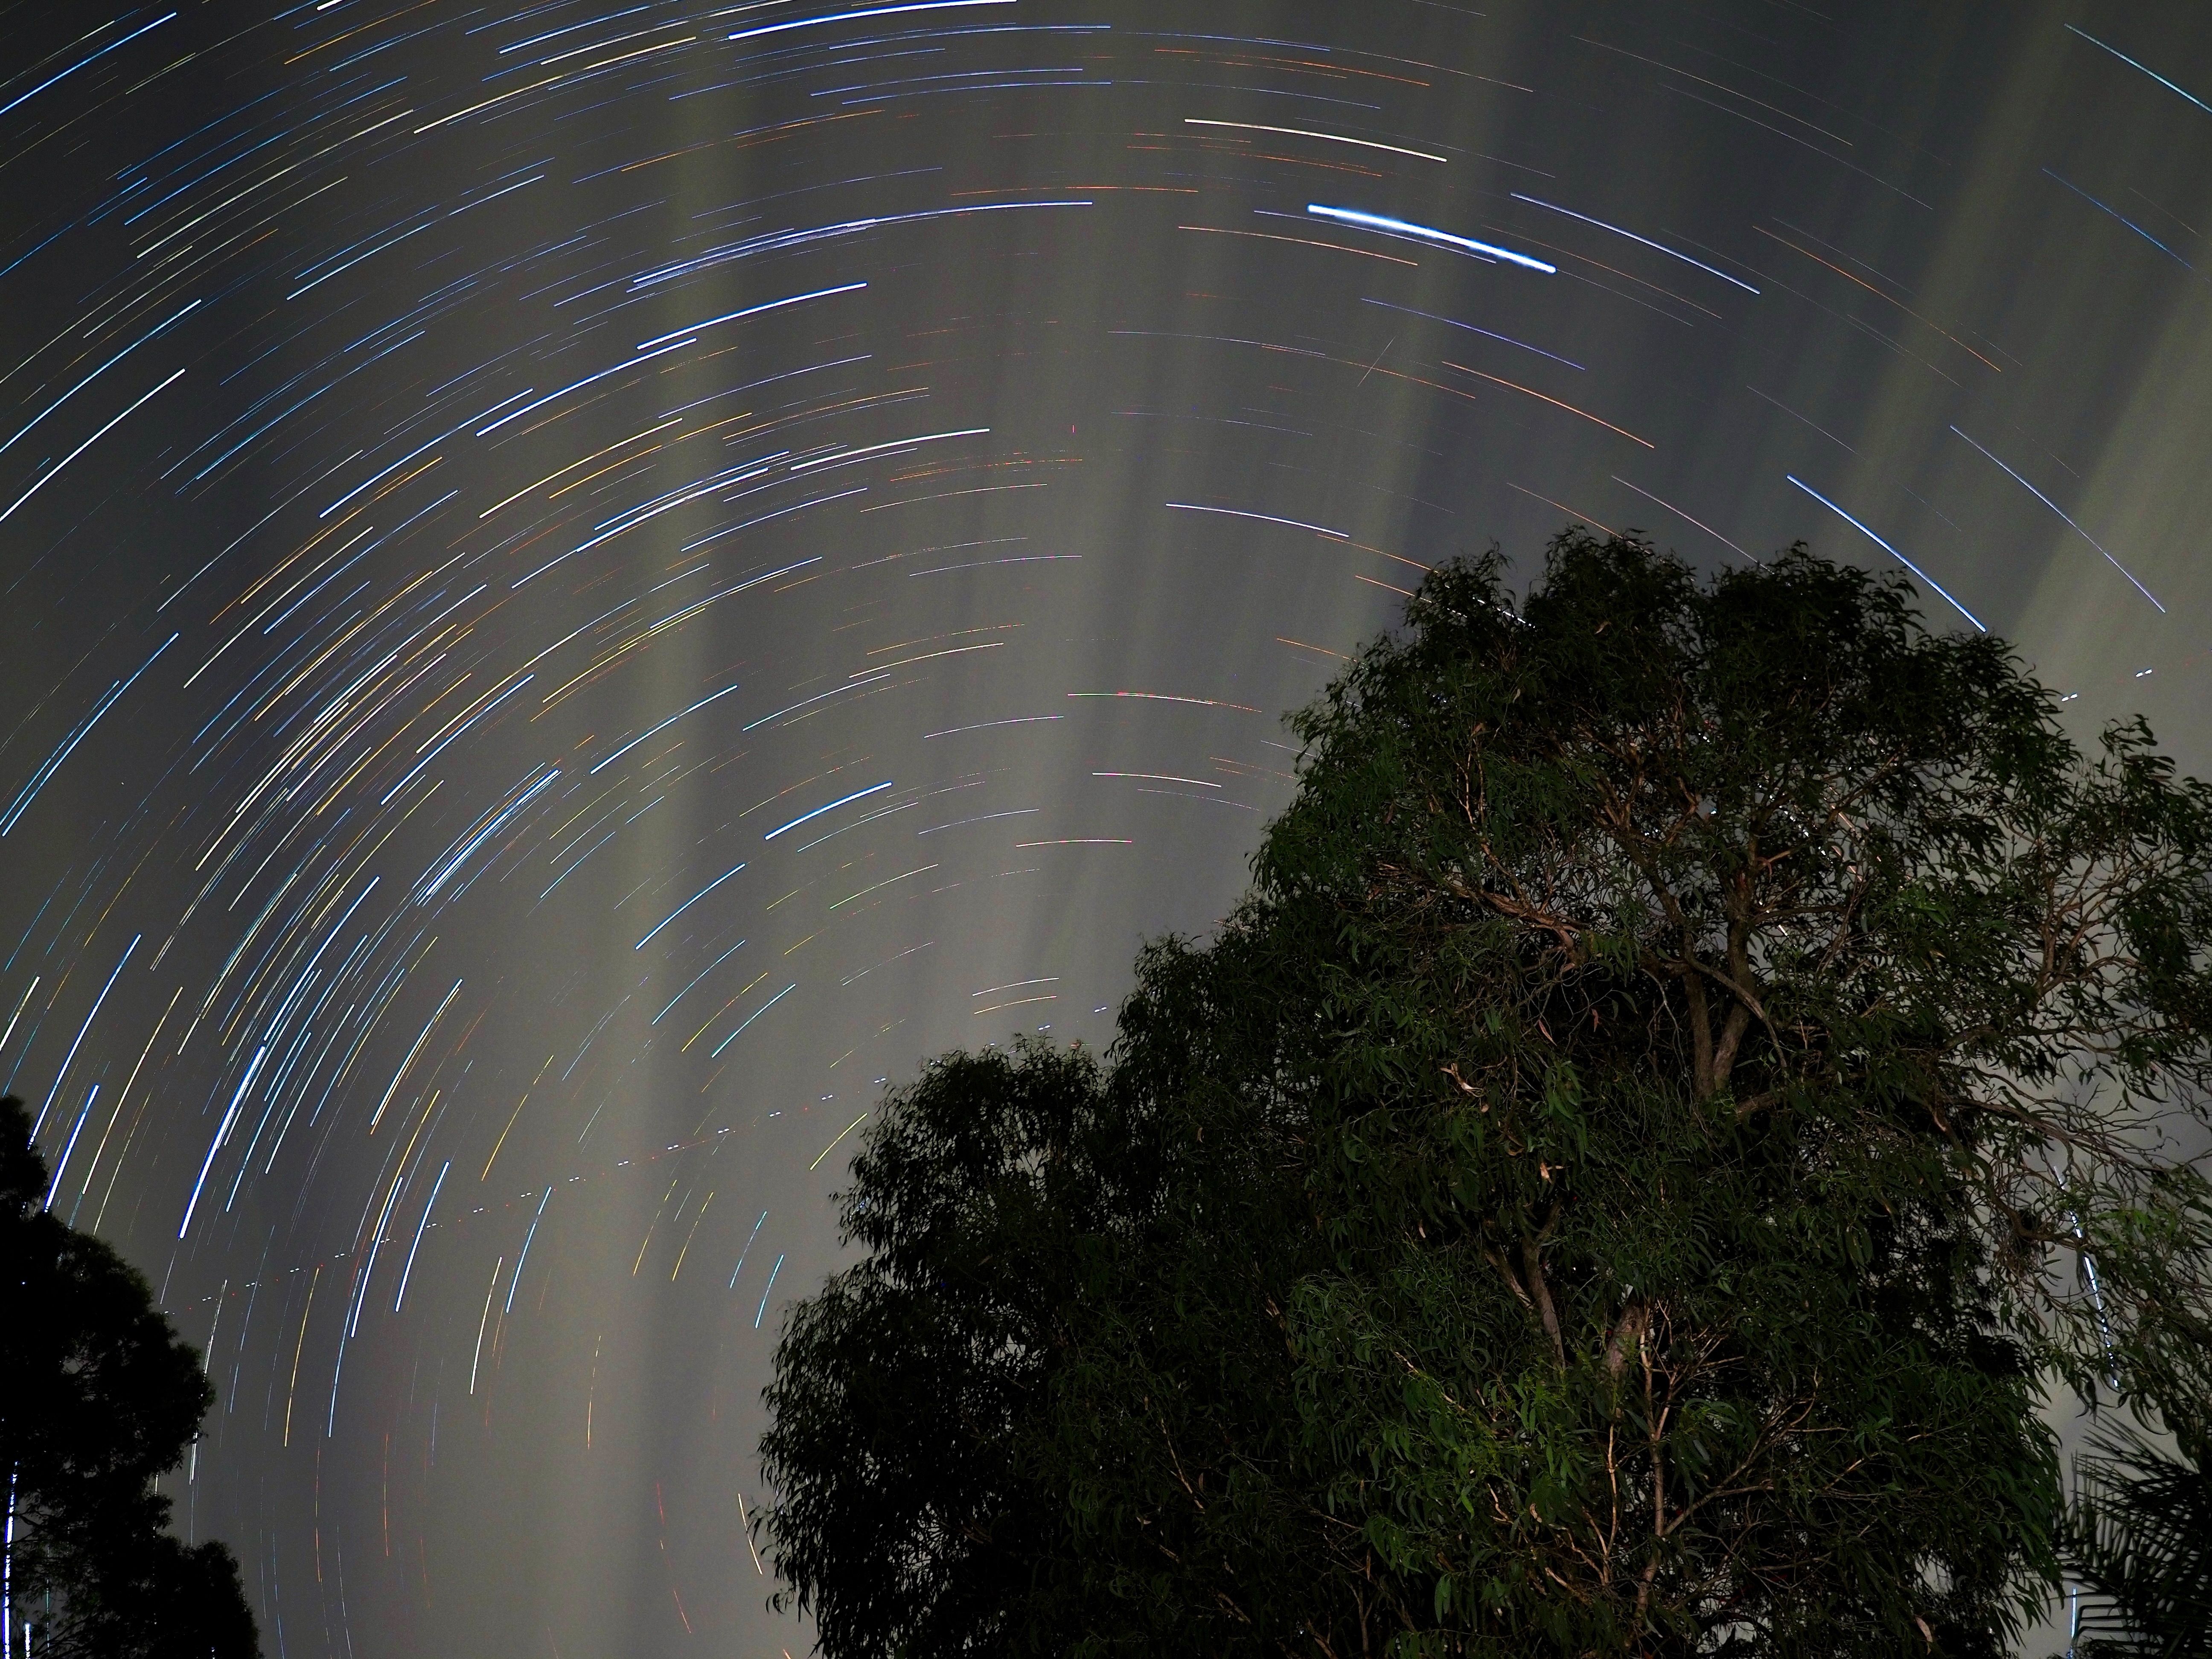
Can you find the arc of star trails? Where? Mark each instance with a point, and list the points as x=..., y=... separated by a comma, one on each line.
x=95, y=374
x=30, y=792
x=515, y=1283
x=84, y=63
x=922, y=870
x=866, y=11
x=1166, y=696
x=1453, y=322
x=1886, y=548
x=421, y=1226
x=749, y=311
x=1428, y=234
x=700, y=975
x=399, y=1076
x=1017, y=720
x=2107, y=208
x=681, y=909
x=841, y=456
x=229, y=1122
x=61, y=1167
x=747, y=1251
x=2130, y=62
x=772, y=1272
x=841, y=801
x=70, y=1059
x=2062, y=513
x=1239, y=512
x=1304, y=132
x=54, y=472
x=748, y=1019
x=832, y=1147
x=1659, y=248
x=628, y=362
x=1685, y=517
x=853, y=685
x=657, y=730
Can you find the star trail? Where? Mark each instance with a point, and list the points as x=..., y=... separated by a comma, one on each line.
x=590, y=584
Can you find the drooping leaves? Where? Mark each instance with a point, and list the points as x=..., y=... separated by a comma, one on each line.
x=1616, y=1185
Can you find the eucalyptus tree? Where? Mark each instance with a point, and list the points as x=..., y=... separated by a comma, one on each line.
x=1620, y=1183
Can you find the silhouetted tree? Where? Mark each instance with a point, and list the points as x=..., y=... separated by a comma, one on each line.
x=1614, y=1186
x=98, y=1396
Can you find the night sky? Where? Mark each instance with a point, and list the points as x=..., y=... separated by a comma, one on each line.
x=587, y=583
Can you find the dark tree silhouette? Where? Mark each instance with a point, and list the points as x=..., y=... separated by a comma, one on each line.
x=98, y=1396
x=1614, y=1188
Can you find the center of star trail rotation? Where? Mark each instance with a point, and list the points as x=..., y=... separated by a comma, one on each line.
x=589, y=584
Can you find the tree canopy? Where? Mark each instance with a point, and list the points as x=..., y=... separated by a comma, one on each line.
x=1620, y=1183
x=98, y=1396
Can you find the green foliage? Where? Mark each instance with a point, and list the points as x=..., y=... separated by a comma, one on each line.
x=916, y=1375
x=99, y=1397
x=2139, y=1536
x=1615, y=1186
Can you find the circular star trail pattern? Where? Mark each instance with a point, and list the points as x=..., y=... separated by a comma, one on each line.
x=587, y=583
